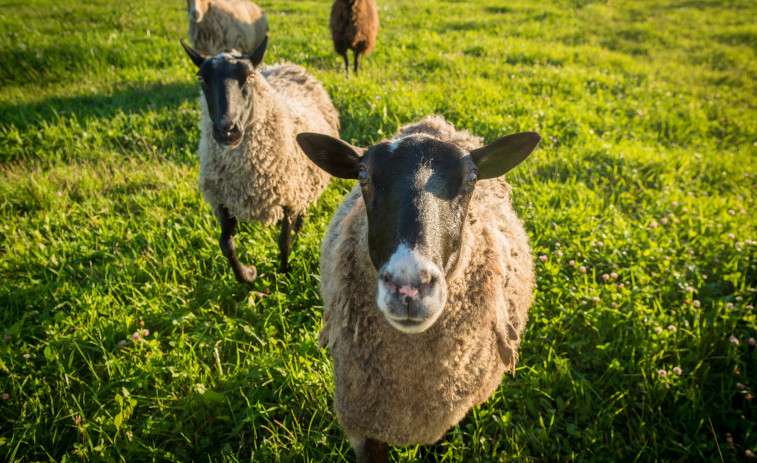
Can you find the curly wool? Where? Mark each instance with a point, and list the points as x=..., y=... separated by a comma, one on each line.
x=268, y=170
x=229, y=25
x=354, y=27
x=406, y=389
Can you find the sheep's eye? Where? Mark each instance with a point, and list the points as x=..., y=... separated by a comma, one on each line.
x=470, y=180
x=251, y=78
x=363, y=177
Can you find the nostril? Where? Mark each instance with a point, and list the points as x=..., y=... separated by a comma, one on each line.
x=426, y=288
x=390, y=286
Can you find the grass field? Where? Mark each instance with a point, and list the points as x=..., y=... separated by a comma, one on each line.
x=647, y=170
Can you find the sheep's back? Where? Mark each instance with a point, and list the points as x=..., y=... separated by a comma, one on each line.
x=304, y=96
x=354, y=27
x=229, y=25
x=438, y=127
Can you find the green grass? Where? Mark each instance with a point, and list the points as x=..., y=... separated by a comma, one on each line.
x=648, y=168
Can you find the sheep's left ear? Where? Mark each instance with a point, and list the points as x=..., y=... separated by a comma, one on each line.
x=257, y=56
x=197, y=57
x=502, y=155
x=333, y=155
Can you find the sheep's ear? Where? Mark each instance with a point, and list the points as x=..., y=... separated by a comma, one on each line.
x=197, y=57
x=333, y=155
x=502, y=155
x=257, y=56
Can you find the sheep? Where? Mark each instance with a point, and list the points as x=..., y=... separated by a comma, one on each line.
x=426, y=279
x=217, y=26
x=251, y=167
x=354, y=25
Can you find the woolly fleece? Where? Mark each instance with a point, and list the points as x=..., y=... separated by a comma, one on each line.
x=229, y=25
x=354, y=27
x=406, y=389
x=268, y=170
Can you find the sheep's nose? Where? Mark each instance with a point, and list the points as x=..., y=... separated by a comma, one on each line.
x=226, y=128
x=411, y=291
x=409, y=287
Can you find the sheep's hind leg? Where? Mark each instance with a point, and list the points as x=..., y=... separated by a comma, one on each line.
x=290, y=225
x=370, y=450
x=229, y=249
x=377, y=452
x=298, y=224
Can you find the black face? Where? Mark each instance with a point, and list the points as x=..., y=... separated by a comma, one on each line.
x=416, y=190
x=228, y=84
x=416, y=193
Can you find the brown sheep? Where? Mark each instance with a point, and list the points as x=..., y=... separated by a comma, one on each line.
x=426, y=279
x=354, y=25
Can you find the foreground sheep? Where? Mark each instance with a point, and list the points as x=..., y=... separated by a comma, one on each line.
x=251, y=168
x=216, y=26
x=354, y=25
x=426, y=278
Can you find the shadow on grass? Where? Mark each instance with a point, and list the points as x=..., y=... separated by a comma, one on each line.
x=131, y=99
x=499, y=9
x=704, y=4
x=49, y=286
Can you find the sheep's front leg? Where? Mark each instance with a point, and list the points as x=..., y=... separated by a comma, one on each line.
x=369, y=450
x=229, y=249
x=357, y=59
x=290, y=225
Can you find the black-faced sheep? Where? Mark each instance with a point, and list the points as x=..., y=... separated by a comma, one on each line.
x=354, y=25
x=251, y=167
x=426, y=278
x=217, y=26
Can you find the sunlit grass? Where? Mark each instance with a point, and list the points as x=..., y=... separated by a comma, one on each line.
x=646, y=174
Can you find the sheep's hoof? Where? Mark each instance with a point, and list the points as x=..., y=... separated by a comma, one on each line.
x=246, y=274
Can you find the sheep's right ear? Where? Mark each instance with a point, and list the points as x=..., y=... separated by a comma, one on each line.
x=197, y=57
x=500, y=156
x=257, y=56
x=333, y=155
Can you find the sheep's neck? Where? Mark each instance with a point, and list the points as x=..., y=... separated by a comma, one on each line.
x=266, y=112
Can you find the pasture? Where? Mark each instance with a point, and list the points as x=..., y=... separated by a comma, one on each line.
x=125, y=337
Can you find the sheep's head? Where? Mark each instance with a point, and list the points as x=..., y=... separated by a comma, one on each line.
x=416, y=191
x=197, y=9
x=228, y=83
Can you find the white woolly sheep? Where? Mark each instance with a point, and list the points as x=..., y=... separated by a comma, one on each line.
x=354, y=25
x=426, y=278
x=251, y=167
x=217, y=26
